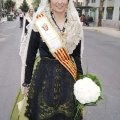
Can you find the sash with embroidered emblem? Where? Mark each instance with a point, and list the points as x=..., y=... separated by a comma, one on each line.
x=54, y=43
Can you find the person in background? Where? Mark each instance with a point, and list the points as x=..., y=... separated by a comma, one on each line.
x=83, y=19
x=27, y=21
x=28, y=18
x=89, y=20
x=21, y=17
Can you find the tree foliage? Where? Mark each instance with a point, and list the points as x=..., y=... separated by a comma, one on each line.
x=35, y=3
x=9, y=4
x=24, y=6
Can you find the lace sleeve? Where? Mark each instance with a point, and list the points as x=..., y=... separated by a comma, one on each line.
x=31, y=55
x=77, y=58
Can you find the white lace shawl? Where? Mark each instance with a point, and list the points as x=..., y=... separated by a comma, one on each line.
x=73, y=32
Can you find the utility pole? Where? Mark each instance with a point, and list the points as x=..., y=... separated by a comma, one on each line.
x=100, y=13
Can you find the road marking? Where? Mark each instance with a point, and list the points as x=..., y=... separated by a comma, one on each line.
x=98, y=31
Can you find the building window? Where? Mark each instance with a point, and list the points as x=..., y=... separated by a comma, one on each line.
x=93, y=1
x=109, y=13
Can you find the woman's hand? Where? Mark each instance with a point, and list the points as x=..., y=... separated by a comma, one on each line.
x=25, y=90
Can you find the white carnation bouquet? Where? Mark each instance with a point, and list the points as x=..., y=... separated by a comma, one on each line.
x=87, y=91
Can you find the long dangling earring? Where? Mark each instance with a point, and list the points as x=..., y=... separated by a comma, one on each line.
x=66, y=12
x=51, y=9
x=50, y=6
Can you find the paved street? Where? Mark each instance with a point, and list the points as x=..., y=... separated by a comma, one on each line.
x=9, y=66
x=101, y=58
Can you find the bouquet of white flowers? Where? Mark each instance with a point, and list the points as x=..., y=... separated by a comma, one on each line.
x=87, y=91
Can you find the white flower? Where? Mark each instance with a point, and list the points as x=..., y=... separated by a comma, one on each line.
x=86, y=91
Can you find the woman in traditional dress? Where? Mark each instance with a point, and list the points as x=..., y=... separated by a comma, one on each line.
x=27, y=21
x=49, y=87
x=29, y=17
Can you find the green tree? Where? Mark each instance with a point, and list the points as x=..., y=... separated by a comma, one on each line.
x=24, y=6
x=35, y=4
x=9, y=5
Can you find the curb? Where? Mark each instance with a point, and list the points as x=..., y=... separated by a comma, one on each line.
x=117, y=35
x=114, y=33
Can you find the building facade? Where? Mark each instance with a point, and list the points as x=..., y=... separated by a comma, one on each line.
x=110, y=12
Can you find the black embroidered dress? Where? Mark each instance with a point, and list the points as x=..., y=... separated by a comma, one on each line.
x=50, y=95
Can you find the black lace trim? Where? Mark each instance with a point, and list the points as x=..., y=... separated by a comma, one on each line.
x=50, y=92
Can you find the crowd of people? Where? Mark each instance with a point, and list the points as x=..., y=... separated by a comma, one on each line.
x=86, y=20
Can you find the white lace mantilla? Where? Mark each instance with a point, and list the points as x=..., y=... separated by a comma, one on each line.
x=72, y=35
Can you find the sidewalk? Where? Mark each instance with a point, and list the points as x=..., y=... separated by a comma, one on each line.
x=106, y=30
x=3, y=19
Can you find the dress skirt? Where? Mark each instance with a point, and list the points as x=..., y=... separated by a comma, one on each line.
x=50, y=95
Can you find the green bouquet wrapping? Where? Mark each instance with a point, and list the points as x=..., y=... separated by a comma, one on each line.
x=87, y=92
